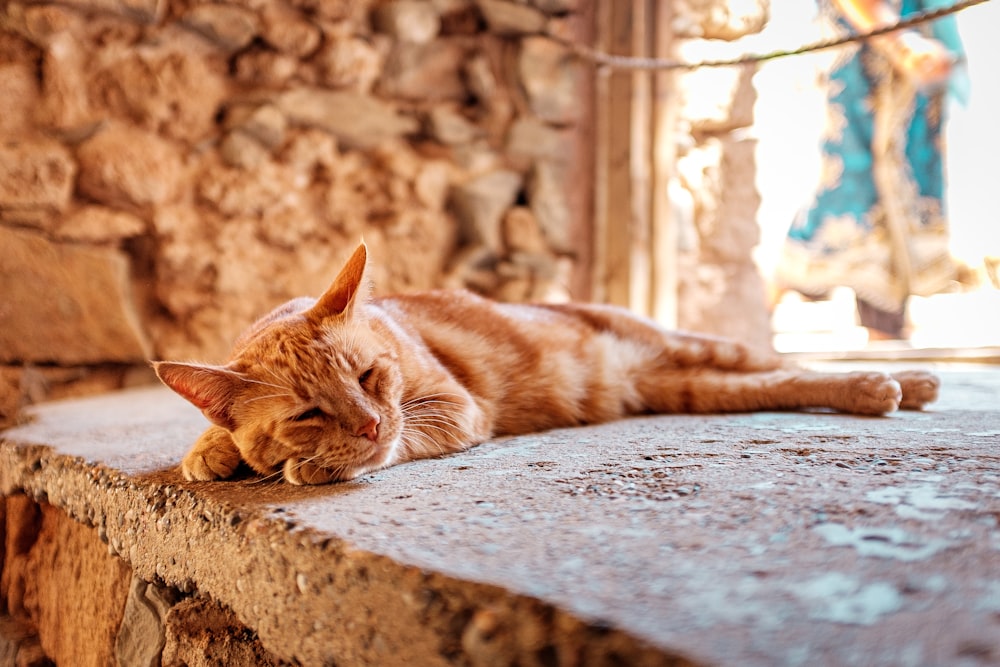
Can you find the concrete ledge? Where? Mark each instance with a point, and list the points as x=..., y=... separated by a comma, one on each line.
x=741, y=539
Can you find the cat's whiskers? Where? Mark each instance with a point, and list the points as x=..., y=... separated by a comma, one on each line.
x=288, y=382
x=273, y=478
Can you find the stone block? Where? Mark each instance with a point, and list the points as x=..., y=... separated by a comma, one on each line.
x=65, y=304
x=357, y=120
x=426, y=72
x=173, y=87
x=349, y=63
x=65, y=104
x=530, y=140
x=125, y=167
x=550, y=206
x=265, y=123
x=18, y=98
x=35, y=176
x=550, y=76
x=480, y=204
x=228, y=27
x=511, y=19
x=521, y=232
x=556, y=6
x=203, y=633
x=288, y=31
x=448, y=126
x=55, y=572
x=414, y=21
x=726, y=202
x=718, y=19
x=11, y=396
x=97, y=224
x=144, y=11
x=717, y=99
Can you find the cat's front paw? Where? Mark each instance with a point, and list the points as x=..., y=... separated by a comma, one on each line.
x=214, y=456
x=919, y=388
x=301, y=472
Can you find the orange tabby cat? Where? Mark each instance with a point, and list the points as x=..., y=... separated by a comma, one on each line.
x=329, y=389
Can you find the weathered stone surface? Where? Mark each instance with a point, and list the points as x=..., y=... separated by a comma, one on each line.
x=414, y=21
x=357, y=120
x=429, y=72
x=548, y=202
x=203, y=633
x=145, y=11
x=717, y=99
x=98, y=224
x=173, y=88
x=510, y=18
x=725, y=202
x=11, y=396
x=670, y=540
x=129, y=168
x=265, y=123
x=720, y=288
x=19, y=645
x=264, y=67
x=65, y=104
x=446, y=125
x=710, y=19
x=239, y=149
x=556, y=6
x=521, y=232
x=350, y=62
x=432, y=184
x=227, y=26
x=35, y=175
x=288, y=31
x=549, y=74
x=65, y=304
x=531, y=140
x=55, y=572
x=18, y=97
x=480, y=204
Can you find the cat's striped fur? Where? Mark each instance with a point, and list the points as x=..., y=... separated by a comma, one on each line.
x=328, y=389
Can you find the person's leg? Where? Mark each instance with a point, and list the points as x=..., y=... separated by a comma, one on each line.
x=882, y=324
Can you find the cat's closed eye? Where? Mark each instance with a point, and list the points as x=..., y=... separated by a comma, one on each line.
x=365, y=376
x=311, y=413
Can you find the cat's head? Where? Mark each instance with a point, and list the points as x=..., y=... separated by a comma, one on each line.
x=313, y=389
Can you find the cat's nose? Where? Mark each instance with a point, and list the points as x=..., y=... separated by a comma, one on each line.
x=370, y=429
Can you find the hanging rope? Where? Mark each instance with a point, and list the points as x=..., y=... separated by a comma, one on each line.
x=639, y=63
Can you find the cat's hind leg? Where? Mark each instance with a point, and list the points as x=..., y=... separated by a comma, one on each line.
x=213, y=456
x=919, y=388
x=710, y=390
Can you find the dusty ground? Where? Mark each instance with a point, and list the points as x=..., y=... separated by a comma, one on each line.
x=761, y=539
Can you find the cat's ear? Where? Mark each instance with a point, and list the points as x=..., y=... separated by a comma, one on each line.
x=211, y=389
x=339, y=299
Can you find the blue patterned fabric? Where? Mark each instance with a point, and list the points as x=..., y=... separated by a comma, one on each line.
x=841, y=237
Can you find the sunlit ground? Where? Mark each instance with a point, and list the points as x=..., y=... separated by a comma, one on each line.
x=788, y=121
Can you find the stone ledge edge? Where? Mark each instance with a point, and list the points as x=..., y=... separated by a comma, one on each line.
x=300, y=590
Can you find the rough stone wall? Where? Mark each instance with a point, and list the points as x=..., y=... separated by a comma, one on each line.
x=66, y=600
x=171, y=169
x=720, y=288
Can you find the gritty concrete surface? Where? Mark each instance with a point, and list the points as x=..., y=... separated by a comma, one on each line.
x=758, y=539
